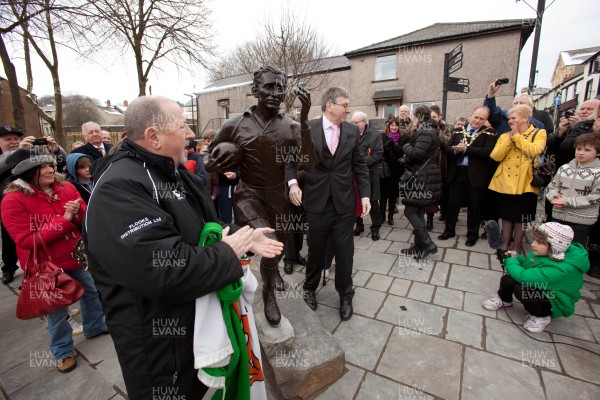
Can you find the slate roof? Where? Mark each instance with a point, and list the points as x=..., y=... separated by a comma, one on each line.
x=440, y=32
x=579, y=56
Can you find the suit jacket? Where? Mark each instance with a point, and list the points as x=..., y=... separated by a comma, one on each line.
x=91, y=151
x=479, y=157
x=334, y=176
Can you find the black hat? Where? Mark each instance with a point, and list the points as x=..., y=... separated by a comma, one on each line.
x=22, y=160
x=5, y=130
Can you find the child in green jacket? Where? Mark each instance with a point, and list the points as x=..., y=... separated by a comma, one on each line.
x=548, y=280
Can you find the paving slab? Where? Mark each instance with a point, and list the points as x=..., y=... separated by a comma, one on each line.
x=416, y=315
x=481, y=246
x=583, y=308
x=438, y=370
x=411, y=269
x=363, y=243
x=594, y=325
x=361, y=278
x=448, y=243
x=367, y=302
x=346, y=387
x=465, y=328
x=488, y=376
x=479, y=260
x=577, y=362
x=329, y=317
x=440, y=274
x=421, y=291
x=478, y=281
x=506, y=339
x=373, y=261
x=449, y=298
x=380, y=245
x=473, y=302
x=454, y=256
x=380, y=283
x=559, y=387
x=362, y=339
x=574, y=326
x=399, y=235
x=400, y=287
x=376, y=387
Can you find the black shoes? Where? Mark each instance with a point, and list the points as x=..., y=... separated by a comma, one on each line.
x=272, y=313
x=470, y=242
x=288, y=268
x=446, y=235
x=391, y=219
x=301, y=260
x=7, y=277
x=429, y=225
x=375, y=234
x=424, y=246
x=310, y=299
x=360, y=228
x=346, y=310
x=442, y=217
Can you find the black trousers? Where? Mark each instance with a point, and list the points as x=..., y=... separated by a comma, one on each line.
x=459, y=188
x=339, y=227
x=375, y=215
x=533, y=299
x=9, y=252
x=293, y=246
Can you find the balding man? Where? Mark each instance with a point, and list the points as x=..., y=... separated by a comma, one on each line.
x=94, y=146
x=499, y=118
x=142, y=230
x=371, y=146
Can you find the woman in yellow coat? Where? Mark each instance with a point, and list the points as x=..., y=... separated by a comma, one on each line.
x=516, y=198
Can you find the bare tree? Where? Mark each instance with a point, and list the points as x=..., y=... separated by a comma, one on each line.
x=78, y=109
x=292, y=44
x=157, y=31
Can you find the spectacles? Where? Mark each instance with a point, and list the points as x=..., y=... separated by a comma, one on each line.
x=344, y=106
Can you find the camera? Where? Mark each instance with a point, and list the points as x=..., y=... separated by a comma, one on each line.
x=502, y=81
x=569, y=113
x=40, y=142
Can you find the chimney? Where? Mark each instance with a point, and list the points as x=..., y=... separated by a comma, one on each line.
x=107, y=103
x=125, y=103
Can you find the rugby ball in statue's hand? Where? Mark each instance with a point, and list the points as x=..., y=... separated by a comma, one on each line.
x=225, y=156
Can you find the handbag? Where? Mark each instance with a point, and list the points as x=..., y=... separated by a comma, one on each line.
x=385, y=171
x=544, y=171
x=45, y=287
x=408, y=177
x=79, y=254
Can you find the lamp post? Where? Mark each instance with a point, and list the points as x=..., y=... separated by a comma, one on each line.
x=193, y=114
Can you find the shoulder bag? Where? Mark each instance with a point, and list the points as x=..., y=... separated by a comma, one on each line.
x=545, y=170
x=45, y=287
x=408, y=176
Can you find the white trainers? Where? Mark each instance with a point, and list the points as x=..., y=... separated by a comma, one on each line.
x=536, y=324
x=76, y=326
x=73, y=312
x=325, y=273
x=495, y=303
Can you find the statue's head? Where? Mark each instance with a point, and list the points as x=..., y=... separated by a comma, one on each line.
x=269, y=87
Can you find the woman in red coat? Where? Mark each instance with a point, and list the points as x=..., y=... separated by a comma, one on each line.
x=41, y=201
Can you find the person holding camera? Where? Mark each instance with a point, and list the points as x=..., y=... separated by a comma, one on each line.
x=548, y=281
x=499, y=118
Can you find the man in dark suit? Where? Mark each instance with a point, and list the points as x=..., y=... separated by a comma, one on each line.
x=329, y=196
x=94, y=147
x=468, y=153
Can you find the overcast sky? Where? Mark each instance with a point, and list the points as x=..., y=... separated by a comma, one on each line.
x=567, y=24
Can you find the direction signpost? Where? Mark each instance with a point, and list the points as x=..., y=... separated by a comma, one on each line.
x=453, y=61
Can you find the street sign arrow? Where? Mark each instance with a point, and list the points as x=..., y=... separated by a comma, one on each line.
x=455, y=51
x=457, y=81
x=457, y=88
x=455, y=67
x=457, y=58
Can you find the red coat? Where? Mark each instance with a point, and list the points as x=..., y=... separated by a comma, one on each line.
x=25, y=209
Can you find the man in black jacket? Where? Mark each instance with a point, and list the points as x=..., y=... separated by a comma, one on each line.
x=330, y=198
x=371, y=146
x=94, y=146
x=142, y=229
x=468, y=155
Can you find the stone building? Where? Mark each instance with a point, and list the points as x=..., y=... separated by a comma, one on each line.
x=32, y=121
x=407, y=69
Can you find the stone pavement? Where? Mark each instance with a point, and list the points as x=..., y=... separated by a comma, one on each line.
x=419, y=332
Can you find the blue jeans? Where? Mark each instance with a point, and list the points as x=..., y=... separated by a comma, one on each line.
x=61, y=334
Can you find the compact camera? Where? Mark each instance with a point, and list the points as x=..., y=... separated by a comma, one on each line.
x=502, y=81
x=40, y=142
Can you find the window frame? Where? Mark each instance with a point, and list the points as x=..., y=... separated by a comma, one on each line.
x=379, y=63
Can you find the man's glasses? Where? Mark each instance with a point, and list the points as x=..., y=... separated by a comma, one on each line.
x=344, y=106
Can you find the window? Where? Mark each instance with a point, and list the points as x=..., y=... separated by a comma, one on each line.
x=415, y=105
x=385, y=67
x=389, y=109
x=588, y=89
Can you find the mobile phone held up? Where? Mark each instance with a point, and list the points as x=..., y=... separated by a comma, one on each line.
x=502, y=81
x=40, y=142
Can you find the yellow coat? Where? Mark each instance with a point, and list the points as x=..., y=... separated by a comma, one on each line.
x=514, y=174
